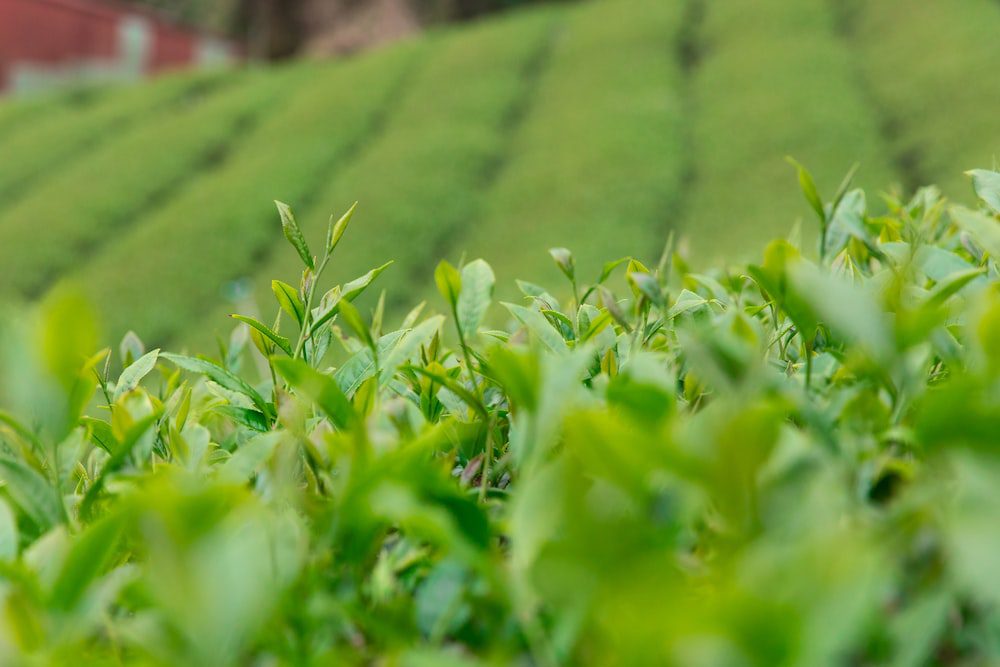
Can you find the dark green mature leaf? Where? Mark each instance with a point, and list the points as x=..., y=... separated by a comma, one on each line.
x=294, y=234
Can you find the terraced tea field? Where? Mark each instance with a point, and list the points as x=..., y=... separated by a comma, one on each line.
x=601, y=126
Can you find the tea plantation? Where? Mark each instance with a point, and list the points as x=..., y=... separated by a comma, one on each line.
x=603, y=125
x=792, y=463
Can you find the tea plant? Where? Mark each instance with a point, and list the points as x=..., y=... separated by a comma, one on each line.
x=790, y=463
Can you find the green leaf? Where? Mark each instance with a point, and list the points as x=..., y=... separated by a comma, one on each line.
x=352, y=318
x=32, y=493
x=453, y=386
x=288, y=299
x=808, y=186
x=361, y=365
x=132, y=376
x=249, y=457
x=647, y=285
x=983, y=229
x=952, y=285
x=354, y=288
x=220, y=376
x=294, y=235
x=336, y=229
x=283, y=343
x=540, y=327
x=252, y=419
x=449, y=282
x=130, y=348
x=477, y=281
x=100, y=433
x=91, y=554
x=321, y=389
x=564, y=260
x=9, y=537
x=408, y=346
x=987, y=186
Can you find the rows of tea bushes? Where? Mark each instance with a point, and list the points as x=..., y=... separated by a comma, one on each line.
x=123, y=179
x=938, y=99
x=600, y=151
x=62, y=133
x=773, y=79
x=437, y=152
x=178, y=258
x=792, y=462
x=529, y=126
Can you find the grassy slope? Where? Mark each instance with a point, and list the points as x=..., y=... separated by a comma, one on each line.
x=142, y=167
x=597, y=162
x=422, y=180
x=944, y=114
x=486, y=139
x=38, y=150
x=178, y=259
x=774, y=80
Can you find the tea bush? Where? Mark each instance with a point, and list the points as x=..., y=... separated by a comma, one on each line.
x=445, y=139
x=124, y=178
x=886, y=37
x=788, y=463
x=217, y=229
x=602, y=139
x=65, y=128
x=811, y=103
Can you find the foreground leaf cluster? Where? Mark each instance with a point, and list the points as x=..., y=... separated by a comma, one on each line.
x=789, y=463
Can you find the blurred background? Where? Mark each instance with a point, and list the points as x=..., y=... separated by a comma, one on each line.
x=142, y=143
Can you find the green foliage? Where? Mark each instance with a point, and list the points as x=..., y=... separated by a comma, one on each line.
x=437, y=151
x=65, y=128
x=102, y=195
x=622, y=118
x=810, y=103
x=599, y=150
x=955, y=108
x=789, y=463
x=220, y=223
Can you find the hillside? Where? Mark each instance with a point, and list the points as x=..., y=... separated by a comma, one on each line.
x=625, y=119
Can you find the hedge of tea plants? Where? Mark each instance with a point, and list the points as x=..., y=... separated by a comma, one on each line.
x=791, y=462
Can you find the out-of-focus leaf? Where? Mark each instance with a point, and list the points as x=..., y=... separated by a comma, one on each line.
x=32, y=493
x=319, y=388
x=133, y=375
x=986, y=183
x=536, y=323
x=477, y=282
